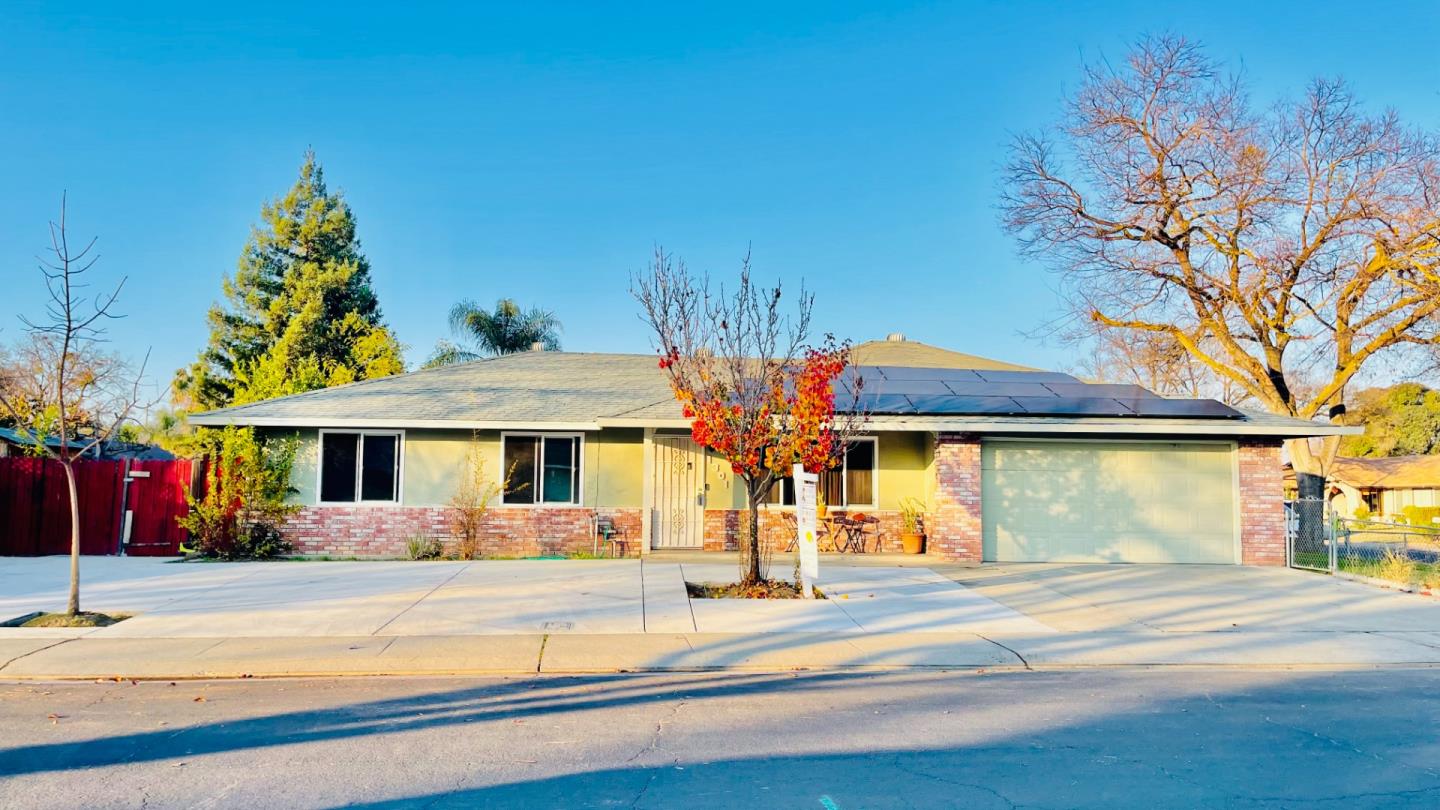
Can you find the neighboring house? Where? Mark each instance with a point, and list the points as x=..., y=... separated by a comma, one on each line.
x=1384, y=486
x=1013, y=464
x=20, y=443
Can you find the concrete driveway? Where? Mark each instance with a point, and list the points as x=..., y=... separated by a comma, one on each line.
x=1197, y=598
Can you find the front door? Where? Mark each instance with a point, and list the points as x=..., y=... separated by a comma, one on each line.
x=678, y=517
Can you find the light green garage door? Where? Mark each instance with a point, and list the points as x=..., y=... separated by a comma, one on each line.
x=1143, y=502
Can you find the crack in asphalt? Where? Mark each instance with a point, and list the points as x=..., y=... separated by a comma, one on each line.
x=654, y=745
x=899, y=765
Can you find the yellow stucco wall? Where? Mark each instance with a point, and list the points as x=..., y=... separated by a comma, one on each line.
x=433, y=460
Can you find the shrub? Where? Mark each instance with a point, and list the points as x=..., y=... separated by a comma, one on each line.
x=912, y=513
x=1396, y=567
x=243, y=506
x=1362, y=512
x=472, y=499
x=421, y=547
x=1420, y=515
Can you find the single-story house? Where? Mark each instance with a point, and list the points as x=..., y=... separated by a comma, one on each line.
x=1383, y=486
x=1011, y=463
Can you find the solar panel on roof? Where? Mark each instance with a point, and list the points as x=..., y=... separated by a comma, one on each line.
x=951, y=405
x=1191, y=408
x=999, y=389
x=1073, y=406
x=908, y=387
x=881, y=403
x=1081, y=389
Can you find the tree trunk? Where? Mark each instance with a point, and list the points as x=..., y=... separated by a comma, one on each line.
x=750, y=543
x=1310, y=469
x=72, y=607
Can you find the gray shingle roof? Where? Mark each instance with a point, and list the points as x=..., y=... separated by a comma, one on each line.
x=587, y=391
x=534, y=387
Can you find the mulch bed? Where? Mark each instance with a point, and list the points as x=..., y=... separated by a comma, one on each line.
x=768, y=589
x=81, y=619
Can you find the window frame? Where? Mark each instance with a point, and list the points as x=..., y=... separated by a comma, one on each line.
x=536, y=484
x=778, y=490
x=397, y=433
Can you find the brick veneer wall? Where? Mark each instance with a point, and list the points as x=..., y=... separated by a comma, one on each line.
x=722, y=529
x=1262, y=504
x=953, y=525
x=382, y=531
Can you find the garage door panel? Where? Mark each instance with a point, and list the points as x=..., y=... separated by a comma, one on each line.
x=1108, y=502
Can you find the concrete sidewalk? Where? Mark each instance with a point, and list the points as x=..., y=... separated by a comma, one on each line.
x=177, y=658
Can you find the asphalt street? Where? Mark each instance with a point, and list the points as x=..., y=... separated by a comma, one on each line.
x=1173, y=737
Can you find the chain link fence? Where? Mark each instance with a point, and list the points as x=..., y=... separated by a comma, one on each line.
x=1308, y=535
x=1318, y=540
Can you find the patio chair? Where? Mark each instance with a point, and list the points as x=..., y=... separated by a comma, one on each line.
x=860, y=527
x=607, y=533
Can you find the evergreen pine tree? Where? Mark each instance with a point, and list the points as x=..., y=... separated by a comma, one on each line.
x=300, y=312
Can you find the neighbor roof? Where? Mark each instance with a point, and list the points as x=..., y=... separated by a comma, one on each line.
x=1397, y=472
x=587, y=391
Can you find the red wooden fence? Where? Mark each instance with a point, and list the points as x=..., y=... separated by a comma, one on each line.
x=35, y=506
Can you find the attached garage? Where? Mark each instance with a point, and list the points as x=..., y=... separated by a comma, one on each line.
x=1109, y=502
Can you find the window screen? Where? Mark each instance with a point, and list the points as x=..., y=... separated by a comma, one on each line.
x=561, y=480
x=520, y=467
x=542, y=469
x=359, y=467
x=338, y=452
x=860, y=473
x=380, y=467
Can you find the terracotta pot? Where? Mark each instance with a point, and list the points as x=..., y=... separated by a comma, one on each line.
x=913, y=543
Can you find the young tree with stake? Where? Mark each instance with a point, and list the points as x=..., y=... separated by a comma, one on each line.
x=65, y=394
x=755, y=392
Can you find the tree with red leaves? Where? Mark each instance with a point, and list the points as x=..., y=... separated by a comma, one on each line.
x=756, y=393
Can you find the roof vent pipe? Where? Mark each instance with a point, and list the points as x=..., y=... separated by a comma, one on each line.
x=895, y=337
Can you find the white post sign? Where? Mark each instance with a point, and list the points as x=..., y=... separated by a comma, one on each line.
x=806, y=485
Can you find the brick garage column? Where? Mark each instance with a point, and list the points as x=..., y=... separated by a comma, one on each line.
x=1262, y=504
x=953, y=528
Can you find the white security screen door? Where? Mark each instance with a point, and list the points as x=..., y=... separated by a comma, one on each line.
x=678, y=478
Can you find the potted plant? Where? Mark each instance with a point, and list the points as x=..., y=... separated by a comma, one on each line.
x=912, y=534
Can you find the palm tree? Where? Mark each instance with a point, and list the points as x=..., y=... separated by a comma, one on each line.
x=507, y=330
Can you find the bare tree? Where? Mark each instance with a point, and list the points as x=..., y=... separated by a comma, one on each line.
x=756, y=392
x=1282, y=249
x=60, y=389
x=1156, y=361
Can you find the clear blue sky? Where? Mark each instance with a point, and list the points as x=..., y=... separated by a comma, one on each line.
x=537, y=151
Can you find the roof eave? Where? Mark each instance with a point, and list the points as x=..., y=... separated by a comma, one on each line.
x=221, y=420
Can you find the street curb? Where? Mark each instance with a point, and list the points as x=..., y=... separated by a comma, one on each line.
x=89, y=658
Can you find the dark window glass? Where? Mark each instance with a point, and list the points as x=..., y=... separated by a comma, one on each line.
x=858, y=475
x=337, y=466
x=860, y=472
x=520, y=452
x=378, y=470
x=560, y=470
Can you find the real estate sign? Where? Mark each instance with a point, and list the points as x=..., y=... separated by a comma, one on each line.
x=806, y=485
